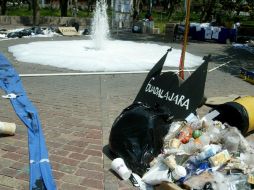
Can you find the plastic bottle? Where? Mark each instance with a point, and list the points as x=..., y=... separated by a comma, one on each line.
x=178, y=173
x=170, y=162
x=207, y=152
x=204, y=139
x=190, y=147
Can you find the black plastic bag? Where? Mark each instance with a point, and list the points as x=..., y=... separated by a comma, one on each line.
x=137, y=135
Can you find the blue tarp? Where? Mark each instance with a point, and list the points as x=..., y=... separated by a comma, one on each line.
x=224, y=34
x=41, y=177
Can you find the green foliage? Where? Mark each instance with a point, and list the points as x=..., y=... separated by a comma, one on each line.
x=23, y=11
x=15, y=11
x=224, y=9
x=50, y=12
x=194, y=17
x=248, y=23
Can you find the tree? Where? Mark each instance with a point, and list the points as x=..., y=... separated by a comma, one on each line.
x=170, y=6
x=207, y=10
x=173, y=4
x=36, y=12
x=64, y=7
x=29, y=3
x=251, y=8
x=3, y=7
x=231, y=10
x=138, y=6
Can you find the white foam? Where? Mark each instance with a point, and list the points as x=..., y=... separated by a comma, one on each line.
x=116, y=56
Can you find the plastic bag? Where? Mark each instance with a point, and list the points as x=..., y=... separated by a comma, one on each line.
x=137, y=135
x=157, y=174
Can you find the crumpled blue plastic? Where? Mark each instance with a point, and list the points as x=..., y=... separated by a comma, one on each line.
x=41, y=177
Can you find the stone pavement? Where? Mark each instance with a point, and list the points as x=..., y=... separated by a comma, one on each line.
x=77, y=112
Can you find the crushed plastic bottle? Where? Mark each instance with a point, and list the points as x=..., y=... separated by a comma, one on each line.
x=208, y=151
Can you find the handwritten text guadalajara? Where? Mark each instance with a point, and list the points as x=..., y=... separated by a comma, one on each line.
x=179, y=100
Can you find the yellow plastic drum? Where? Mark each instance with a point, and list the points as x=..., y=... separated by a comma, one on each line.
x=248, y=103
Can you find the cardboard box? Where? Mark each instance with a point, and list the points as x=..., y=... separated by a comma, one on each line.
x=168, y=186
x=68, y=31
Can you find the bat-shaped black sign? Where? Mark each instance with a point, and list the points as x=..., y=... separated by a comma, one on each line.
x=169, y=91
x=137, y=133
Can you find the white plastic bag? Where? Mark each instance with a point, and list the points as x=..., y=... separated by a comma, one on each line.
x=157, y=174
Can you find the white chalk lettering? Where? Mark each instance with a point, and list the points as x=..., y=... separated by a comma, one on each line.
x=166, y=96
x=175, y=99
x=171, y=97
x=178, y=99
x=186, y=104
x=181, y=99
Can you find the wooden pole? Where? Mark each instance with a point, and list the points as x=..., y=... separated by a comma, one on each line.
x=185, y=40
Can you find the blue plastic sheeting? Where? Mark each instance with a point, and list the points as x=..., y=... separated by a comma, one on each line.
x=41, y=177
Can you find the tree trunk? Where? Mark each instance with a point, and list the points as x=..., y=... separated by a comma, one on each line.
x=136, y=5
x=36, y=12
x=64, y=7
x=203, y=11
x=3, y=7
x=150, y=6
x=209, y=10
x=109, y=3
x=165, y=5
x=171, y=6
x=170, y=9
x=29, y=5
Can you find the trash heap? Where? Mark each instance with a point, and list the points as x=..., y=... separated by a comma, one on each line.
x=161, y=139
x=203, y=154
x=29, y=32
x=38, y=32
x=248, y=46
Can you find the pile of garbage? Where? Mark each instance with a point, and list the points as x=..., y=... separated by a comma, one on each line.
x=37, y=32
x=168, y=147
x=29, y=32
x=202, y=154
x=248, y=46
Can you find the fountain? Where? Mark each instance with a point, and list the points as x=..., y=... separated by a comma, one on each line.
x=99, y=53
x=100, y=27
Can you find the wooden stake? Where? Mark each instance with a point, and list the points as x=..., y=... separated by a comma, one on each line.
x=186, y=31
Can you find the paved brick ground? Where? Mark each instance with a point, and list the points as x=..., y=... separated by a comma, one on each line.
x=77, y=113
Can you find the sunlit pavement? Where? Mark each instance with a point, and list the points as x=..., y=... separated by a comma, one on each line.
x=77, y=113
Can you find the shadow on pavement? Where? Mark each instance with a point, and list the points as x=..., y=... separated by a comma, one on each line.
x=234, y=60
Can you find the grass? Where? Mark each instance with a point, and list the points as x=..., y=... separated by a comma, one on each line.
x=13, y=11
